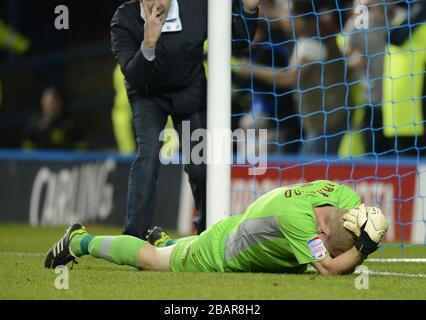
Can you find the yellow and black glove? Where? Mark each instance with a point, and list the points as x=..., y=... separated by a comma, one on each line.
x=369, y=225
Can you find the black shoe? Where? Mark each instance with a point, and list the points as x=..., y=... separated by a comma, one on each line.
x=157, y=237
x=60, y=254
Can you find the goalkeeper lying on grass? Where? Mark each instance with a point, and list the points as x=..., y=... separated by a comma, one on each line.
x=320, y=223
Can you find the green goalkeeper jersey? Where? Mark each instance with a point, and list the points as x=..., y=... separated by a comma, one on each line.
x=278, y=232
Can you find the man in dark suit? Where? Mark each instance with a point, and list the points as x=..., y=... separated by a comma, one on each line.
x=159, y=46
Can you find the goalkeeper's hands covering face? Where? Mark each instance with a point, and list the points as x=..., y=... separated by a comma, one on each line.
x=368, y=224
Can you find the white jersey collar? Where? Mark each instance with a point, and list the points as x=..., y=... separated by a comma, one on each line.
x=173, y=22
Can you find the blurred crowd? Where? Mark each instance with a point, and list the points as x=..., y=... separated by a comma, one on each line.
x=321, y=76
x=336, y=78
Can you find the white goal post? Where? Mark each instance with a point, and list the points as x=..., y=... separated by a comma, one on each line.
x=219, y=110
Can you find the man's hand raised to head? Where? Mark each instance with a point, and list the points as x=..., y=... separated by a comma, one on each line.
x=153, y=24
x=250, y=6
x=369, y=224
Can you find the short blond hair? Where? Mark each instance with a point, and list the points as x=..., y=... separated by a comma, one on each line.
x=340, y=239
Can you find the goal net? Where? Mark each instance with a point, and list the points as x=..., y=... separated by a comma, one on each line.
x=338, y=89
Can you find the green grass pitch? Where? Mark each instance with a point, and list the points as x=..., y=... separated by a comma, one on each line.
x=22, y=276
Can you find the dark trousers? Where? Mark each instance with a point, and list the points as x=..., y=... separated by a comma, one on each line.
x=149, y=119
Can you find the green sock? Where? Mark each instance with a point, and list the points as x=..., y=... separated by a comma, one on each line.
x=79, y=244
x=123, y=250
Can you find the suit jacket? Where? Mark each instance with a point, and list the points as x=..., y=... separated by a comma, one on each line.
x=176, y=75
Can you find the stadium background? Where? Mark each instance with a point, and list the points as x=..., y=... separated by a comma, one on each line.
x=77, y=61
x=86, y=178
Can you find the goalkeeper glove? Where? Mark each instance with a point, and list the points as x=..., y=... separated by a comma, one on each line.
x=369, y=224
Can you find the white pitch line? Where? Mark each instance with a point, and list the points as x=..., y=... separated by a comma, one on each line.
x=22, y=254
x=394, y=274
x=418, y=260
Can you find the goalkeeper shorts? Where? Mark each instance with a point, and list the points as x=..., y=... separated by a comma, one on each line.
x=206, y=252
